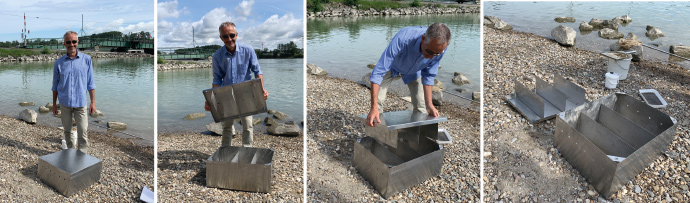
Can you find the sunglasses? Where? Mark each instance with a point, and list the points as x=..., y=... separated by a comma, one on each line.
x=228, y=36
x=72, y=42
x=432, y=53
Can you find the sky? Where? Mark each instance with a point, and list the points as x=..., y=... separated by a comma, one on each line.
x=52, y=18
x=267, y=22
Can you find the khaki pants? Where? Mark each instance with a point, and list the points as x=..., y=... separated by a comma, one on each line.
x=416, y=93
x=247, y=132
x=79, y=114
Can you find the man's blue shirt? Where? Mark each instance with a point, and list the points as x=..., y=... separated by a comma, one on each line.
x=72, y=78
x=403, y=56
x=231, y=68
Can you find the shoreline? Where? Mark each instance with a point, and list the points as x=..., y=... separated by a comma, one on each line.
x=55, y=56
x=333, y=105
x=522, y=163
x=342, y=10
x=127, y=167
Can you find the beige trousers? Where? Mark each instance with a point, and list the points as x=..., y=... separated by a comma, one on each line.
x=247, y=132
x=416, y=93
x=79, y=115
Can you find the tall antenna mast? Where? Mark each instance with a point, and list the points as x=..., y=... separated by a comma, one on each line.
x=194, y=45
x=82, y=32
x=24, y=31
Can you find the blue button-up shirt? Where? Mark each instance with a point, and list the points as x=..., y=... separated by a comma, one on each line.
x=72, y=78
x=231, y=68
x=403, y=56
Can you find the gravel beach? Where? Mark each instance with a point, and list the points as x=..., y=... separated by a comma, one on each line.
x=333, y=105
x=521, y=161
x=127, y=167
x=182, y=168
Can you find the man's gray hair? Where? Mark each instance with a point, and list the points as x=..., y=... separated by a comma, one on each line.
x=225, y=24
x=69, y=33
x=438, y=31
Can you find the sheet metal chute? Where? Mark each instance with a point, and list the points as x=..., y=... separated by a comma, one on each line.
x=546, y=100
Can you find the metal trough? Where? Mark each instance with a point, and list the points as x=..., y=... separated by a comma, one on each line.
x=613, y=139
x=547, y=100
x=236, y=101
x=240, y=168
x=401, y=152
x=69, y=171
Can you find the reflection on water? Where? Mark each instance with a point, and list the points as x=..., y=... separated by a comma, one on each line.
x=179, y=94
x=124, y=91
x=344, y=46
x=538, y=18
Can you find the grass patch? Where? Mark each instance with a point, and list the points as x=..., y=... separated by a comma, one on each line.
x=161, y=60
x=380, y=5
x=17, y=52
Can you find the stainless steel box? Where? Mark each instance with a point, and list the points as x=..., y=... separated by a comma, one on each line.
x=69, y=171
x=401, y=151
x=613, y=139
x=236, y=101
x=240, y=168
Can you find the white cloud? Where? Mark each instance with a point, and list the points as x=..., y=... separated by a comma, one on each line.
x=117, y=25
x=245, y=8
x=275, y=30
x=205, y=30
x=169, y=10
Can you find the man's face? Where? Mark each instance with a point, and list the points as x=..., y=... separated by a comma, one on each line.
x=432, y=48
x=71, y=47
x=228, y=35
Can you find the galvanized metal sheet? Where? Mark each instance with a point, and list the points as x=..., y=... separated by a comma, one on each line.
x=575, y=93
x=551, y=94
x=69, y=171
x=240, y=168
x=604, y=139
x=645, y=116
x=443, y=137
x=530, y=99
x=628, y=131
x=236, y=101
x=393, y=124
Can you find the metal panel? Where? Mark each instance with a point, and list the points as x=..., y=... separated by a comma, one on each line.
x=395, y=123
x=604, y=139
x=530, y=99
x=443, y=137
x=551, y=94
x=236, y=101
x=240, y=168
x=388, y=172
x=643, y=115
x=69, y=171
x=628, y=131
x=575, y=93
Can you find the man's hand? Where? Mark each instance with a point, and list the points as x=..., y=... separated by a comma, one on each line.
x=92, y=108
x=54, y=110
x=207, y=107
x=373, y=114
x=432, y=110
x=265, y=94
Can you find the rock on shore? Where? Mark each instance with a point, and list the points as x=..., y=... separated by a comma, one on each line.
x=681, y=50
x=28, y=115
x=495, y=22
x=181, y=65
x=564, y=35
x=341, y=10
x=55, y=56
x=315, y=70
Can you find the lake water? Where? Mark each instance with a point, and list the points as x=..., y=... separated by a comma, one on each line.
x=344, y=46
x=537, y=18
x=179, y=94
x=124, y=92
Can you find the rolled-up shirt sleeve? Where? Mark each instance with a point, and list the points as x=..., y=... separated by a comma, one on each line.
x=89, y=80
x=385, y=63
x=254, y=65
x=429, y=73
x=218, y=73
x=56, y=77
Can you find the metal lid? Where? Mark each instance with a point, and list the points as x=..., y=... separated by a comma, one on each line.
x=405, y=119
x=70, y=160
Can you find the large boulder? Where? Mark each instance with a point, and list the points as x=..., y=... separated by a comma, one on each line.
x=437, y=98
x=371, y=66
x=194, y=116
x=315, y=70
x=216, y=128
x=284, y=129
x=438, y=85
x=280, y=115
x=460, y=79
x=494, y=22
x=601, y=24
x=26, y=104
x=622, y=19
x=654, y=32
x=97, y=113
x=631, y=36
x=564, y=35
x=681, y=50
x=43, y=109
x=269, y=121
x=608, y=33
x=476, y=96
x=637, y=56
x=117, y=125
x=584, y=26
x=564, y=19
x=50, y=105
x=28, y=115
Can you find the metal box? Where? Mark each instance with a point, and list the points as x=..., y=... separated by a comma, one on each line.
x=613, y=139
x=240, y=168
x=402, y=151
x=547, y=100
x=69, y=171
x=236, y=100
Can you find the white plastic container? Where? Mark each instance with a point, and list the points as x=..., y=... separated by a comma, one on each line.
x=619, y=62
x=611, y=80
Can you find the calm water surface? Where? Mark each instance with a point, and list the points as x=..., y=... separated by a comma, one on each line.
x=124, y=92
x=179, y=94
x=344, y=46
x=537, y=17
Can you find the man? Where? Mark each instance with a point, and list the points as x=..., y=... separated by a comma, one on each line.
x=72, y=78
x=414, y=54
x=234, y=63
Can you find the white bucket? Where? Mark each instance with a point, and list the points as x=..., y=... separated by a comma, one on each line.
x=611, y=80
x=620, y=66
